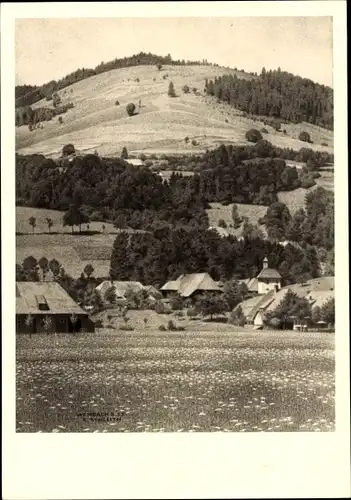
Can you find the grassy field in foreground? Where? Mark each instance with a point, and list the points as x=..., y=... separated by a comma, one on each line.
x=185, y=381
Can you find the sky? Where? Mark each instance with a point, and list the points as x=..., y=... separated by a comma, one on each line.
x=48, y=49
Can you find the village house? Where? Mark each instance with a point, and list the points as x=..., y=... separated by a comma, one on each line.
x=47, y=307
x=268, y=279
x=136, y=162
x=120, y=288
x=191, y=285
x=317, y=291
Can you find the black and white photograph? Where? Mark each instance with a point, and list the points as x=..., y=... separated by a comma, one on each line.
x=175, y=227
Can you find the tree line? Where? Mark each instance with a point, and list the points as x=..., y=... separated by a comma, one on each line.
x=160, y=256
x=107, y=188
x=277, y=94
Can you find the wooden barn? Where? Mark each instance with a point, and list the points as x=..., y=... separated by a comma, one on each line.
x=191, y=285
x=46, y=307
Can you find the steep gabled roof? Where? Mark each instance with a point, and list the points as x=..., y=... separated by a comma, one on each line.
x=187, y=284
x=269, y=273
x=120, y=287
x=29, y=294
x=318, y=298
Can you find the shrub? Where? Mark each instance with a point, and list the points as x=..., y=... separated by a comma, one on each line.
x=179, y=314
x=159, y=307
x=186, y=89
x=130, y=109
x=171, y=91
x=176, y=302
x=275, y=322
x=253, y=135
x=304, y=136
x=307, y=181
x=159, y=66
x=324, y=144
x=237, y=317
x=284, y=131
x=60, y=120
x=126, y=328
x=171, y=326
x=68, y=149
x=222, y=223
x=264, y=131
x=226, y=120
x=117, y=103
x=186, y=139
x=193, y=142
x=191, y=312
x=137, y=80
x=162, y=328
x=99, y=324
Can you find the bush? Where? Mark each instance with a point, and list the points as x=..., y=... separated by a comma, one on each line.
x=305, y=137
x=68, y=149
x=117, y=103
x=237, y=317
x=253, y=135
x=172, y=327
x=284, y=131
x=191, y=312
x=130, y=109
x=60, y=120
x=171, y=90
x=193, y=142
x=186, y=89
x=275, y=322
x=162, y=328
x=222, y=223
x=179, y=314
x=176, y=302
x=324, y=144
x=186, y=139
x=264, y=131
x=307, y=182
x=126, y=328
x=160, y=307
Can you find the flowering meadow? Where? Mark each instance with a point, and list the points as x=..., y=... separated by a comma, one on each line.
x=175, y=382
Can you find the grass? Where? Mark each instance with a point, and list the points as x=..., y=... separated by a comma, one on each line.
x=74, y=252
x=253, y=212
x=24, y=213
x=161, y=125
x=67, y=249
x=150, y=381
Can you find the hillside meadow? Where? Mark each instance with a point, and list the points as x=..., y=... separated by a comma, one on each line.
x=160, y=124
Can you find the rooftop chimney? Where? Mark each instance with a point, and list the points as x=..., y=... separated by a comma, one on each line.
x=265, y=263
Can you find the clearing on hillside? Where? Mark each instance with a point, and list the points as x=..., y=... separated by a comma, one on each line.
x=160, y=125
